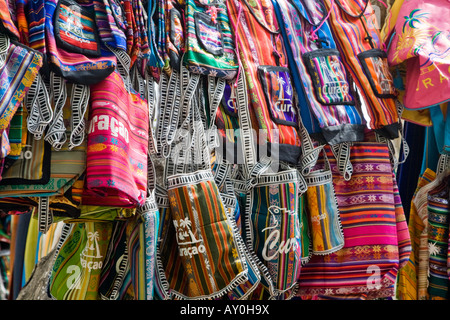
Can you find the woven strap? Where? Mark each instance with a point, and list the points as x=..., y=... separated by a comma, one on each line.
x=79, y=101
x=56, y=133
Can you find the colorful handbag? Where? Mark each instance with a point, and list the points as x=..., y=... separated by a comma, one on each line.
x=73, y=46
x=273, y=229
x=322, y=210
x=421, y=25
x=209, y=46
x=117, y=145
x=376, y=238
x=323, y=86
x=79, y=261
x=202, y=226
x=366, y=61
x=273, y=112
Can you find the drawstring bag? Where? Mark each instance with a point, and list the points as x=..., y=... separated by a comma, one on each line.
x=274, y=114
x=376, y=238
x=117, y=145
x=323, y=212
x=79, y=260
x=359, y=42
x=418, y=40
x=209, y=41
x=324, y=87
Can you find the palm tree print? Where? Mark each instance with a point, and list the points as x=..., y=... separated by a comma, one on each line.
x=414, y=17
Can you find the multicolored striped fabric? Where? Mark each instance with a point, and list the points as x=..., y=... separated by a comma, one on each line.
x=376, y=237
x=273, y=231
x=321, y=206
x=208, y=247
x=438, y=237
x=18, y=72
x=408, y=279
x=324, y=90
x=117, y=145
x=7, y=25
x=73, y=65
x=79, y=261
x=259, y=43
x=110, y=24
x=358, y=40
x=209, y=48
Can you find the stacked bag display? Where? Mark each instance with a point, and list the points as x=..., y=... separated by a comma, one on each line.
x=217, y=150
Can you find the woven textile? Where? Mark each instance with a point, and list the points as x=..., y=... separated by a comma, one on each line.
x=17, y=73
x=261, y=52
x=377, y=241
x=438, y=237
x=321, y=80
x=274, y=234
x=209, y=46
x=408, y=280
x=208, y=247
x=355, y=30
x=117, y=145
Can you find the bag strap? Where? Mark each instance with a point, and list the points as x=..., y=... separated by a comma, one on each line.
x=56, y=133
x=79, y=100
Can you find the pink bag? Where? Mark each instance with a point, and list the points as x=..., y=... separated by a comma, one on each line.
x=421, y=37
x=116, y=170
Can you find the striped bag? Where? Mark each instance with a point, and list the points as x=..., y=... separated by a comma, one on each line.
x=117, y=146
x=209, y=48
x=377, y=242
x=324, y=88
x=210, y=251
x=273, y=230
x=274, y=115
x=73, y=46
x=358, y=40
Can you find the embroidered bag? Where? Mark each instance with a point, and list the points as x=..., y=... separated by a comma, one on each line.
x=322, y=83
x=358, y=40
x=209, y=40
x=376, y=237
x=419, y=39
x=117, y=145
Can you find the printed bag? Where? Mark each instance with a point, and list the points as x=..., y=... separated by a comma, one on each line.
x=419, y=39
x=209, y=39
x=117, y=145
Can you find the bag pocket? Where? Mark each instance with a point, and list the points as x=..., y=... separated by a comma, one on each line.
x=375, y=66
x=75, y=29
x=279, y=94
x=209, y=34
x=328, y=77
